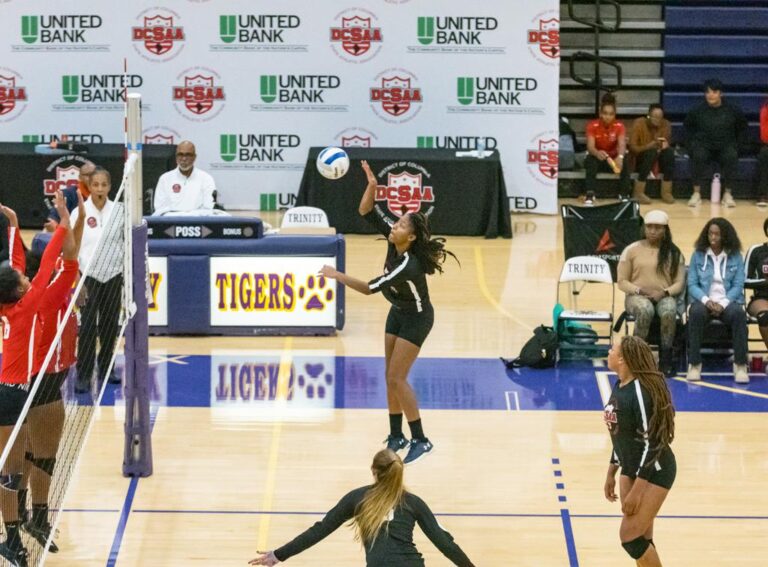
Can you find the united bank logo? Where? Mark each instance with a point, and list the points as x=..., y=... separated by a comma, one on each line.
x=158, y=35
x=260, y=151
x=62, y=138
x=13, y=95
x=543, y=38
x=456, y=35
x=60, y=32
x=462, y=143
x=198, y=94
x=395, y=96
x=542, y=158
x=96, y=92
x=500, y=95
x=299, y=93
x=356, y=36
x=260, y=32
x=276, y=201
x=406, y=189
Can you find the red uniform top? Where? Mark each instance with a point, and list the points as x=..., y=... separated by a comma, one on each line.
x=764, y=123
x=19, y=317
x=606, y=137
x=50, y=315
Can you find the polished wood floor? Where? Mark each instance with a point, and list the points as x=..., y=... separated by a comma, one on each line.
x=224, y=487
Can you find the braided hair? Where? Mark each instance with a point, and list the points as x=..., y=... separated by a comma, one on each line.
x=639, y=360
x=429, y=251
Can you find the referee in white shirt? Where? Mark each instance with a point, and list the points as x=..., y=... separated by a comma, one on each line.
x=186, y=189
x=100, y=316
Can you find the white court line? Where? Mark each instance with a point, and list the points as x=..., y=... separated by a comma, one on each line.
x=598, y=362
x=509, y=401
x=604, y=385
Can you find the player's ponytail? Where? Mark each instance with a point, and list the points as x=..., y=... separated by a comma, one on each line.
x=430, y=251
x=639, y=360
x=385, y=495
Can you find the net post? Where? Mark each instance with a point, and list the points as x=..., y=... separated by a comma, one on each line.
x=137, y=456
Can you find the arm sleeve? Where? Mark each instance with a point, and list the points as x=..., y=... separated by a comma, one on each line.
x=678, y=285
x=736, y=291
x=17, y=255
x=634, y=137
x=614, y=459
x=436, y=534
x=57, y=290
x=624, y=273
x=397, y=276
x=690, y=124
x=208, y=188
x=45, y=271
x=376, y=219
x=161, y=202
x=343, y=511
x=695, y=293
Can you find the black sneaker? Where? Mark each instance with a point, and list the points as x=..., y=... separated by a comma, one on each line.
x=40, y=533
x=417, y=449
x=396, y=443
x=16, y=557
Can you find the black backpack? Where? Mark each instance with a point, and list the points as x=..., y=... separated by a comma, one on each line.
x=538, y=352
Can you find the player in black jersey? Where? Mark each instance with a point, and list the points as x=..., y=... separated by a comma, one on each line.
x=757, y=280
x=641, y=420
x=384, y=515
x=412, y=254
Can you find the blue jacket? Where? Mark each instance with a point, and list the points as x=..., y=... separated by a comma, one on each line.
x=702, y=271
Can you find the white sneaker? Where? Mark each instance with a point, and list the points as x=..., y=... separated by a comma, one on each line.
x=695, y=199
x=694, y=372
x=740, y=374
x=728, y=200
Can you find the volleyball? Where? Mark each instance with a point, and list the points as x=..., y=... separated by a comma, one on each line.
x=333, y=163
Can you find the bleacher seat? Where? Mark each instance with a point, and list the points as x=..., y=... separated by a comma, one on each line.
x=685, y=76
x=717, y=47
x=678, y=132
x=721, y=18
x=679, y=104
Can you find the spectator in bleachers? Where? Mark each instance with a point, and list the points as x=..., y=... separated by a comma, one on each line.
x=757, y=278
x=762, y=157
x=651, y=273
x=606, y=146
x=187, y=189
x=649, y=143
x=714, y=129
x=716, y=291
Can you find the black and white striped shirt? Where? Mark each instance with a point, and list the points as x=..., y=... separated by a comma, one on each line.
x=404, y=281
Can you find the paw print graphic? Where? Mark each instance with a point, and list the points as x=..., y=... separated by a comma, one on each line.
x=315, y=380
x=317, y=292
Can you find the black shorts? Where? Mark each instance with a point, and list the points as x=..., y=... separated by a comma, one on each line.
x=664, y=470
x=12, y=400
x=50, y=388
x=413, y=327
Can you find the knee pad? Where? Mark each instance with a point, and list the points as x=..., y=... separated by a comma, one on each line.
x=10, y=481
x=46, y=465
x=762, y=318
x=637, y=547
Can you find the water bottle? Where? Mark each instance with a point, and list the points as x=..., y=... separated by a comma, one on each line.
x=480, y=148
x=715, y=194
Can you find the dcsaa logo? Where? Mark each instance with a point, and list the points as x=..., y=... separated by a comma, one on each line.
x=543, y=160
x=160, y=135
x=13, y=97
x=355, y=138
x=355, y=141
x=397, y=95
x=544, y=38
x=158, y=37
x=358, y=34
x=405, y=191
x=65, y=177
x=199, y=94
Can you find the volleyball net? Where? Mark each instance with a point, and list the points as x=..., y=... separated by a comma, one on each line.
x=78, y=332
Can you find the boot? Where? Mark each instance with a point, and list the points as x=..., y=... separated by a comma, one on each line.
x=666, y=192
x=639, y=193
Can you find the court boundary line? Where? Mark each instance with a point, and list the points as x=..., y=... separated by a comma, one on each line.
x=487, y=294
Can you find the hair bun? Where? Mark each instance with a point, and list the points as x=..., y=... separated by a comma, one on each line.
x=608, y=98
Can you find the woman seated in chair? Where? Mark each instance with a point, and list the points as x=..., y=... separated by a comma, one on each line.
x=757, y=279
x=651, y=273
x=716, y=291
x=606, y=146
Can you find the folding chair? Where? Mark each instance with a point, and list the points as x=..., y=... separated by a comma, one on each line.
x=305, y=220
x=577, y=273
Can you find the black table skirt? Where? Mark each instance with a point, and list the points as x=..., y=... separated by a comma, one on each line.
x=470, y=197
x=24, y=172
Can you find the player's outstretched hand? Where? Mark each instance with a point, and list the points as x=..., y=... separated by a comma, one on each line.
x=328, y=272
x=60, y=203
x=10, y=214
x=368, y=173
x=266, y=558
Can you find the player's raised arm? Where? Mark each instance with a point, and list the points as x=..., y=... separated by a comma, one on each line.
x=366, y=203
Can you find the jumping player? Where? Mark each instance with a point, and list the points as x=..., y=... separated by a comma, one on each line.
x=383, y=515
x=412, y=254
x=641, y=420
x=20, y=300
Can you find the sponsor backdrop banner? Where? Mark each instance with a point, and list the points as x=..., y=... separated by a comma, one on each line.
x=255, y=84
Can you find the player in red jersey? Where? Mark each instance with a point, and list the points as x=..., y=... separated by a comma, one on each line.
x=20, y=300
x=606, y=146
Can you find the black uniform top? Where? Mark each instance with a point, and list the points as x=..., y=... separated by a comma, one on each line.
x=404, y=282
x=627, y=416
x=394, y=543
x=757, y=271
x=715, y=127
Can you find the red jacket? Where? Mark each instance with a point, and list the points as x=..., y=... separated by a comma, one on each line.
x=764, y=123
